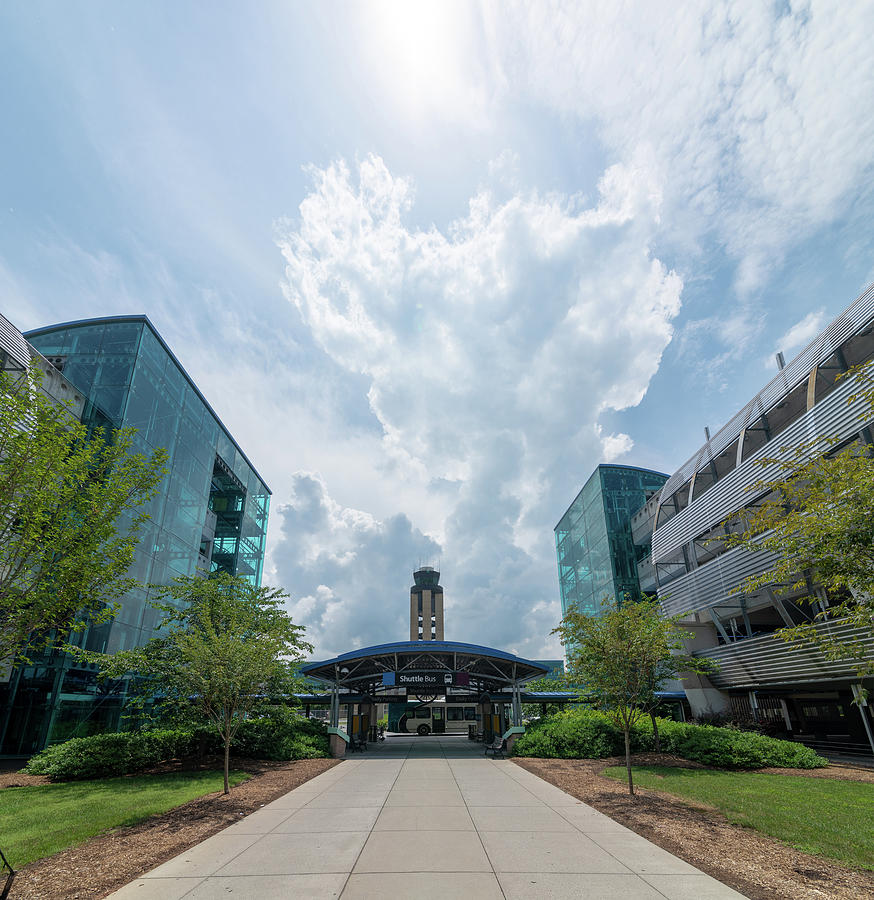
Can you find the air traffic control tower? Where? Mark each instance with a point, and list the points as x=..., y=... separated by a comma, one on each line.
x=426, y=606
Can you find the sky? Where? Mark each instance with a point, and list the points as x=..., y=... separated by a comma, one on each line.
x=431, y=263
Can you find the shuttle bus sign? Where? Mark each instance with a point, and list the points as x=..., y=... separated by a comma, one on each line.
x=430, y=680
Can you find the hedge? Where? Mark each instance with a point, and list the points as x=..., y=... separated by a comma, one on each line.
x=103, y=755
x=282, y=735
x=590, y=734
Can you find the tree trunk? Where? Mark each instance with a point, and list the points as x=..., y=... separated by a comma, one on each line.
x=655, y=731
x=628, y=760
x=227, y=760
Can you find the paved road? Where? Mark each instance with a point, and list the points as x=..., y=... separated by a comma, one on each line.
x=430, y=819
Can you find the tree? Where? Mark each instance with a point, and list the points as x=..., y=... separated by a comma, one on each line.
x=623, y=656
x=63, y=487
x=817, y=515
x=229, y=647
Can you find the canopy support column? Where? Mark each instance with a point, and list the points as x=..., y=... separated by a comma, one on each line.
x=512, y=734
x=517, y=705
x=336, y=737
x=335, y=705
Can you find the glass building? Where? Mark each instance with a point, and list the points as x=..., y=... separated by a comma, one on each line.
x=555, y=666
x=210, y=514
x=597, y=556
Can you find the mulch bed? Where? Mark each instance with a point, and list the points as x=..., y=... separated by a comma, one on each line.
x=758, y=866
x=15, y=779
x=108, y=861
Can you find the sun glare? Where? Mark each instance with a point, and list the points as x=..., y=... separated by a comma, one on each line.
x=419, y=54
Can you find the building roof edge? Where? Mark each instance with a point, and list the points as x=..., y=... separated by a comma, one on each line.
x=142, y=317
x=596, y=470
x=851, y=320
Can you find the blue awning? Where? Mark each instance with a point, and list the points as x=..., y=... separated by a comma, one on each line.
x=456, y=663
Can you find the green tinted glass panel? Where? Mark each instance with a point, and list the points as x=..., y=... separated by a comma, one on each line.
x=129, y=377
x=596, y=556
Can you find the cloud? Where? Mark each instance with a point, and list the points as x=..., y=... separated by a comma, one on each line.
x=760, y=116
x=349, y=570
x=16, y=299
x=801, y=333
x=448, y=387
x=490, y=351
x=709, y=346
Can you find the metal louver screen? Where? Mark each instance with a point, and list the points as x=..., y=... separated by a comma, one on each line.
x=858, y=315
x=13, y=344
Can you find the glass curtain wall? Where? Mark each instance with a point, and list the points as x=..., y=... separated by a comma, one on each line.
x=597, y=558
x=210, y=513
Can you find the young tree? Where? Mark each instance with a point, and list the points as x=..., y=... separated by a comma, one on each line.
x=817, y=515
x=62, y=559
x=229, y=646
x=623, y=656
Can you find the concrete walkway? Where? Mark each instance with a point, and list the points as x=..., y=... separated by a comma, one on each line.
x=426, y=818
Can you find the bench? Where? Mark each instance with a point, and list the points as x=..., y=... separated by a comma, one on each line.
x=357, y=742
x=497, y=746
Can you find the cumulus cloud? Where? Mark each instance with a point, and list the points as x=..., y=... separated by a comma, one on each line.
x=490, y=349
x=349, y=571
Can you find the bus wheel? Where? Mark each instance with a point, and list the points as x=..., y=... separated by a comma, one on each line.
x=423, y=730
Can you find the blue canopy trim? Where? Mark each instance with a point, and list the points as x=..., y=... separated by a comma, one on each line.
x=484, y=668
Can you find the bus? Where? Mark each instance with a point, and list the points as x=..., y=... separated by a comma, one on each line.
x=435, y=717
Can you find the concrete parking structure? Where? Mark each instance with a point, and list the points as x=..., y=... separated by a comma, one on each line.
x=427, y=818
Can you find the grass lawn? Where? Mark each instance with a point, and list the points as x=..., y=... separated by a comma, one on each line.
x=43, y=819
x=816, y=815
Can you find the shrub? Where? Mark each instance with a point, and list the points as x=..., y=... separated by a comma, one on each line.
x=590, y=734
x=280, y=735
x=734, y=749
x=109, y=754
x=306, y=746
x=580, y=733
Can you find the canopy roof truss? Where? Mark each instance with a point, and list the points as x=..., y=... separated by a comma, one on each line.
x=361, y=671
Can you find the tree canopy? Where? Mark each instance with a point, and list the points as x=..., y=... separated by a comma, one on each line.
x=622, y=656
x=228, y=646
x=63, y=487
